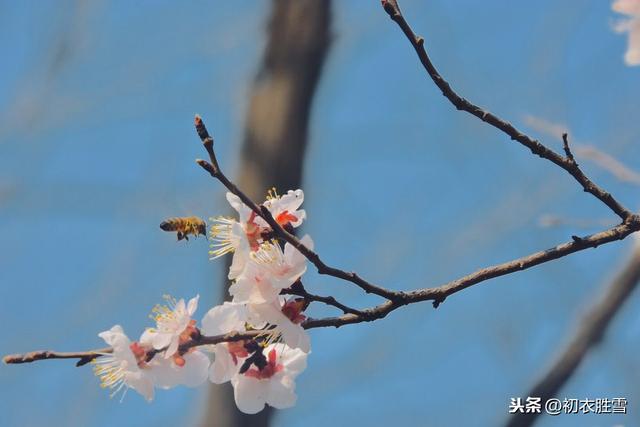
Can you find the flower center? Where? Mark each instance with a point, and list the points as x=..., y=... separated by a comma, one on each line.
x=254, y=232
x=285, y=218
x=164, y=315
x=237, y=349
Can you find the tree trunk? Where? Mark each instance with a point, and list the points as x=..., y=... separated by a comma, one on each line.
x=276, y=134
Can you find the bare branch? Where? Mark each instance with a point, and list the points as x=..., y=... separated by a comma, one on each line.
x=214, y=170
x=298, y=289
x=567, y=149
x=393, y=10
x=396, y=299
x=437, y=294
x=87, y=356
x=84, y=356
x=585, y=151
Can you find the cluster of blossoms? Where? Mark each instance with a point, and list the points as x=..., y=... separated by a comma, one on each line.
x=262, y=370
x=631, y=25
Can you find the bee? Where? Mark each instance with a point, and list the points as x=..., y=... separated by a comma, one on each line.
x=184, y=226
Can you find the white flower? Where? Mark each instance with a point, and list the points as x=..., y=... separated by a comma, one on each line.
x=254, y=285
x=246, y=235
x=632, y=26
x=125, y=367
x=237, y=237
x=223, y=319
x=284, y=209
x=174, y=325
x=286, y=317
x=268, y=271
x=284, y=267
x=228, y=236
x=191, y=369
x=274, y=384
x=244, y=211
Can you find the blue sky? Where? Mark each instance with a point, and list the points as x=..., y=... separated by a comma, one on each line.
x=97, y=146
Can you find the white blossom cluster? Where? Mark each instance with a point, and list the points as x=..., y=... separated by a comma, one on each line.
x=262, y=370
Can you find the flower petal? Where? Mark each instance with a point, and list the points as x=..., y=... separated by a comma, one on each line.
x=294, y=360
x=243, y=210
x=173, y=346
x=195, y=370
x=193, y=305
x=222, y=369
x=140, y=382
x=224, y=318
x=281, y=392
x=249, y=393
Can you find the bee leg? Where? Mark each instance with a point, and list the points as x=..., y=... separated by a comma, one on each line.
x=180, y=236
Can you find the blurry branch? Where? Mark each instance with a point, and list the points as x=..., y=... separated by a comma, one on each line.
x=565, y=162
x=588, y=335
x=600, y=158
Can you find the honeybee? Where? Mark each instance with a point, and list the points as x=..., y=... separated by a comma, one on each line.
x=184, y=226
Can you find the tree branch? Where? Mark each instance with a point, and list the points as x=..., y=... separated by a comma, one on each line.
x=214, y=170
x=396, y=299
x=84, y=356
x=87, y=356
x=436, y=294
x=567, y=163
x=299, y=290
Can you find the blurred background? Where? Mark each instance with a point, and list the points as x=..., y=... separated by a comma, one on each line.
x=97, y=100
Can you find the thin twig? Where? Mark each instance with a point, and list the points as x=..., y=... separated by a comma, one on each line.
x=567, y=149
x=438, y=294
x=87, y=356
x=84, y=356
x=393, y=10
x=299, y=290
x=396, y=299
x=214, y=170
